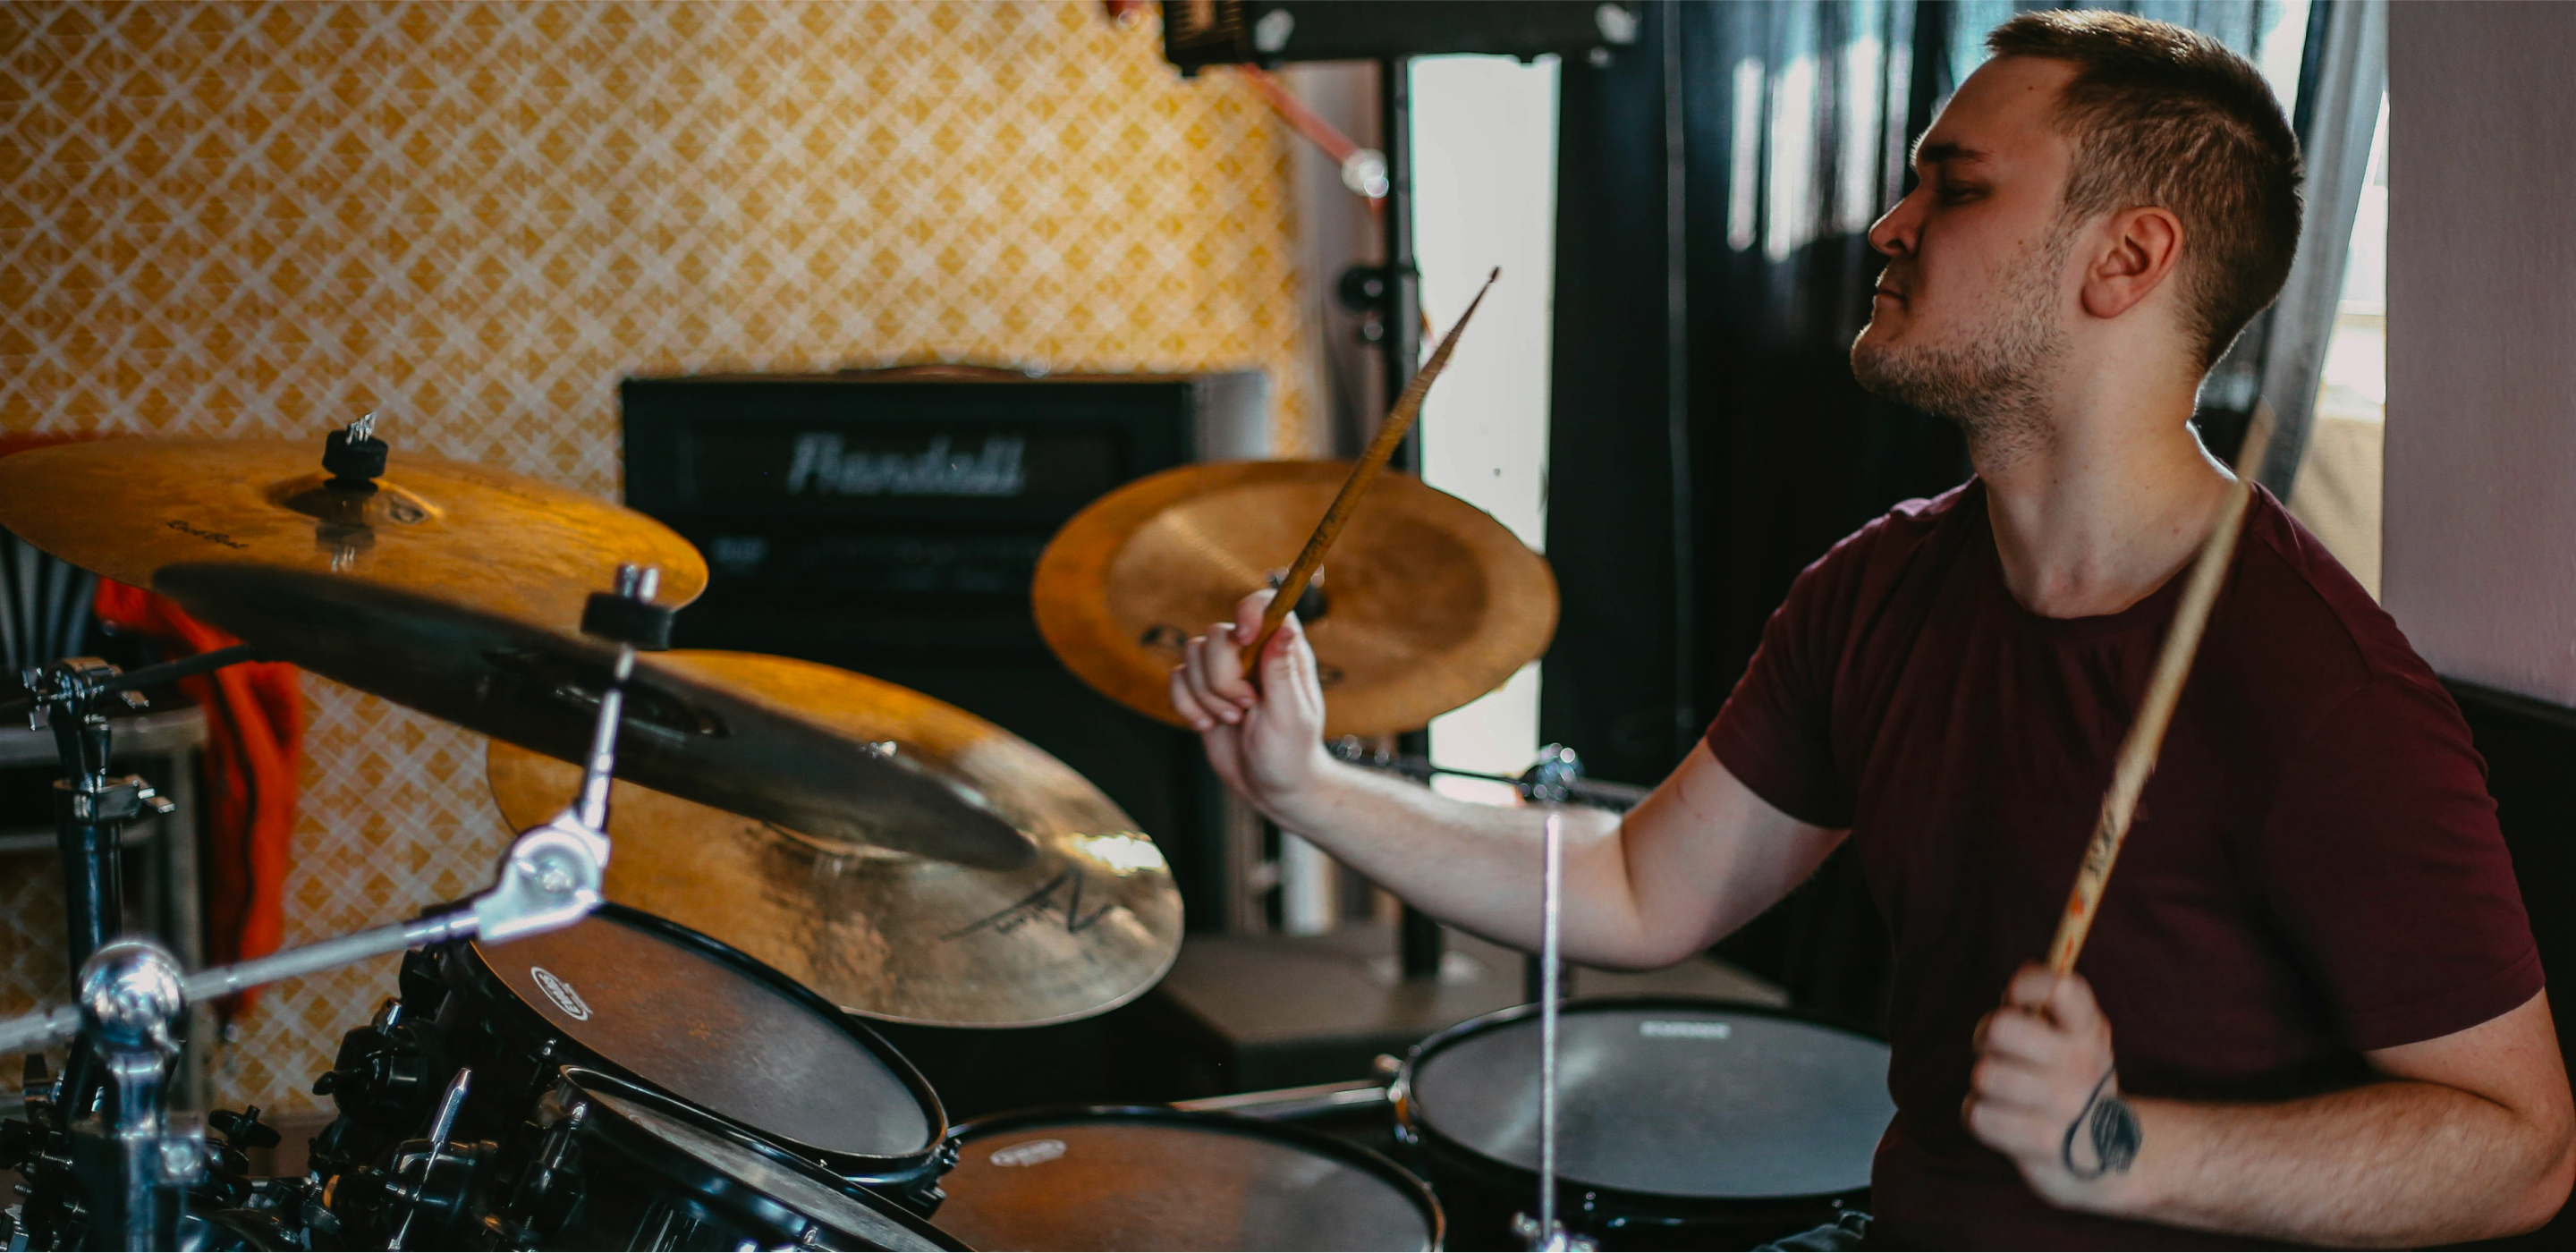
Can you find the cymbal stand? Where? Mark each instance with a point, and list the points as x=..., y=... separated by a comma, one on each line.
x=92, y=807
x=1544, y=1232
x=1557, y=767
x=131, y=990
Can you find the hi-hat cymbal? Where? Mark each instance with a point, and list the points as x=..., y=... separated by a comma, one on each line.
x=1092, y=922
x=744, y=752
x=1429, y=602
x=504, y=542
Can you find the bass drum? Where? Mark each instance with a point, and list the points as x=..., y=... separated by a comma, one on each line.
x=617, y=1166
x=1152, y=1177
x=1682, y=1123
x=649, y=1001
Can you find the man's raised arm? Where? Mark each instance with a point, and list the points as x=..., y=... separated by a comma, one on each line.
x=1701, y=857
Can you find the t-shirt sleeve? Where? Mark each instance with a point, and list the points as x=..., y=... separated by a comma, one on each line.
x=1775, y=731
x=2383, y=862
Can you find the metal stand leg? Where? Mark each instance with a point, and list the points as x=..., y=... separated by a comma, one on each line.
x=136, y=1166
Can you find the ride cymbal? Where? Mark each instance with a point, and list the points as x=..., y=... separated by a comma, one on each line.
x=1094, y=920
x=502, y=542
x=681, y=734
x=1428, y=601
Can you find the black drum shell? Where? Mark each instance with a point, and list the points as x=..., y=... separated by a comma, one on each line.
x=1483, y=1194
x=1425, y=1203
x=634, y=1190
x=515, y=1053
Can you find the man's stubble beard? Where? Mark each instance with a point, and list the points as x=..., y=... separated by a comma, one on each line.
x=1989, y=382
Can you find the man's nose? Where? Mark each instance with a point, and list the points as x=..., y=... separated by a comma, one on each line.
x=1894, y=232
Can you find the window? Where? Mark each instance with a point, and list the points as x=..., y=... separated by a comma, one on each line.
x=2337, y=494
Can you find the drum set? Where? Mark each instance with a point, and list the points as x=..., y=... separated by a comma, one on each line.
x=651, y=1030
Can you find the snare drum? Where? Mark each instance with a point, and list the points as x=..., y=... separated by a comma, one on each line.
x=617, y=1166
x=642, y=999
x=1682, y=1123
x=1152, y=1177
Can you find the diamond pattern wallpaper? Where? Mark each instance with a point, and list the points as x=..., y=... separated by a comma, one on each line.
x=262, y=219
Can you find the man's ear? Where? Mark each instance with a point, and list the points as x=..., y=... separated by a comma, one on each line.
x=2136, y=252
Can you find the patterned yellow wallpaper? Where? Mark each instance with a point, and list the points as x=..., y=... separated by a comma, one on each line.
x=265, y=218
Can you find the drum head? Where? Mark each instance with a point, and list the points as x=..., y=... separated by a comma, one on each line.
x=1684, y=1099
x=713, y=1033
x=1163, y=1179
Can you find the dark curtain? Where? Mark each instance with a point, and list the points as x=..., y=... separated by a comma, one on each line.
x=1715, y=185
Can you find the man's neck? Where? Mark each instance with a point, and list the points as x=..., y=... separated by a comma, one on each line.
x=2093, y=512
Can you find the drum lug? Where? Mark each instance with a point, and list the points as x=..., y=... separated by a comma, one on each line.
x=389, y=1072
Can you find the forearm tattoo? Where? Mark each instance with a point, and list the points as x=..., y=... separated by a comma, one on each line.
x=2110, y=1126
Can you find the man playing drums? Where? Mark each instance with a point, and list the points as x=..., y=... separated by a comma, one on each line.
x=2311, y=1009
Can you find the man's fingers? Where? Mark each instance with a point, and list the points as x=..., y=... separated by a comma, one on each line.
x=1206, y=653
x=1225, y=677
x=2030, y=987
x=2071, y=1003
x=1279, y=661
x=2026, y=1037
x=2002, y=1081
x=1187, y=704
x=1247, y=612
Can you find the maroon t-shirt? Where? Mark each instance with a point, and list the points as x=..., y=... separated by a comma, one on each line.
x=2314, y=870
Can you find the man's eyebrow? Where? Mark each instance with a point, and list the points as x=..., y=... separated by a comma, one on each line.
x=1947, y=152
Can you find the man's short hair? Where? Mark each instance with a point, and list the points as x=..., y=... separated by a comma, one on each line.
x=2164, y=115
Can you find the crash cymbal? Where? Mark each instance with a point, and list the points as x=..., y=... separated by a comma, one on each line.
x=503, y=542
x=1428, y=602
x=1092, y=922
x=738, y=751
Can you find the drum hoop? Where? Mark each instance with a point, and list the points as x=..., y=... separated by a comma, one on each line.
x=1411, y=1123
x=702, y=1180
x=857, y=1167
x=1367, y=1159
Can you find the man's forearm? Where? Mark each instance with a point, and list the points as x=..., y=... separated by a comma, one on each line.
x=1476, y=866
x=2388, y=1163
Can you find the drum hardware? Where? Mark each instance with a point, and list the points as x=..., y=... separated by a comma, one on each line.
x=1088, y=924
x=130, y=1165
x=538, y=688
x=1544, y=1232
x=1557, y=773
x=91, y=807
x=1313, y=1102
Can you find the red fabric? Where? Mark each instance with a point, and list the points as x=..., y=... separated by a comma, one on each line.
x=255, y=730
x=2315, y=868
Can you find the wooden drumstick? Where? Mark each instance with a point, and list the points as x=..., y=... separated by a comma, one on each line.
x=1389, y=433
x=2146, y=736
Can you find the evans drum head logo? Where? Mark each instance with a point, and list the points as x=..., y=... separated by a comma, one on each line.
x=560, y=993
x=1028, y=1153
x=1677, y=1029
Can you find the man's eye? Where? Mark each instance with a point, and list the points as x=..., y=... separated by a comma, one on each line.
x=1957, y=195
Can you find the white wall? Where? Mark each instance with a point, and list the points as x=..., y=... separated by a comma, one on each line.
x=2479, y=531
x=1484, y=130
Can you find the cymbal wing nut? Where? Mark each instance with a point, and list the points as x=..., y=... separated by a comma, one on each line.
x=354, y=459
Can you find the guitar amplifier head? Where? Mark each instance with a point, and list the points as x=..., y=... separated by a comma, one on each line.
x=889, y=522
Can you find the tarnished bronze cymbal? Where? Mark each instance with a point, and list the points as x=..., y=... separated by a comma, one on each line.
x=1429, y=602
x=1090, y=923
x=503, y=542
x=747, y=752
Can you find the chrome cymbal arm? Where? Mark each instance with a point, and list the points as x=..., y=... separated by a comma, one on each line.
x=550, y=878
